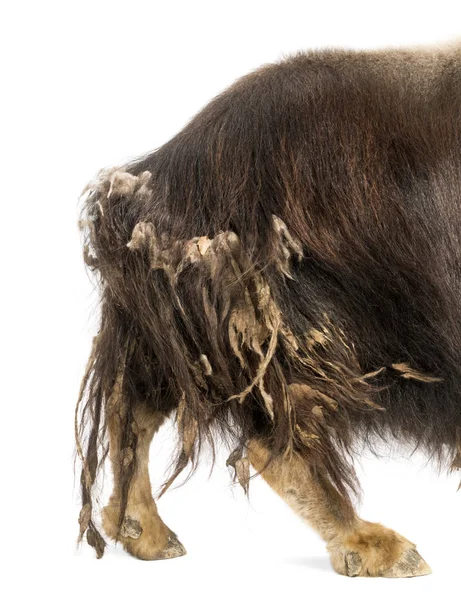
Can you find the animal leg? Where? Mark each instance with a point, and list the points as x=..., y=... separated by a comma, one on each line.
x=356, y=547
x=142, y=533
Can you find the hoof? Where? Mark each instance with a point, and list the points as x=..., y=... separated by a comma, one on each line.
x=410, y=564
x=145, y=548
x=374, y=551
x=352, y=564
x=173, y=549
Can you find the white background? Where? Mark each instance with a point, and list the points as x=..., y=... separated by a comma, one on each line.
x=89, y=84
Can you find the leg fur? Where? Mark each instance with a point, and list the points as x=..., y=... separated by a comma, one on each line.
x=142, y=533
x=356, y=547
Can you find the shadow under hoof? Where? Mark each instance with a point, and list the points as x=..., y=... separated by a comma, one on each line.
x=319, y=563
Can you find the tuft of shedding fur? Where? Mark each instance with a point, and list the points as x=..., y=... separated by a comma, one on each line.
x=285, y=267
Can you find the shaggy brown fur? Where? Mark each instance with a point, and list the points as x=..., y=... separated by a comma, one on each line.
x=286, y=269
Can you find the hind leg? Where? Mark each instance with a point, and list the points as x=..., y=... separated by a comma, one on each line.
x=143, y=533
x=356, y=547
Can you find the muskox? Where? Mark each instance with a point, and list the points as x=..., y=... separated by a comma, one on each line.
x=283, y=276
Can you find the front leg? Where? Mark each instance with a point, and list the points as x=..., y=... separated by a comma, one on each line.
x=356, y=547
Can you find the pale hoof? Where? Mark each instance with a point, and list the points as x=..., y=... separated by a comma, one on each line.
x=411, y=564
x=173, y=549
x=353, y=564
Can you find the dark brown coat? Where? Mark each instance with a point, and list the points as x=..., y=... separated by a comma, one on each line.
x=287, y=267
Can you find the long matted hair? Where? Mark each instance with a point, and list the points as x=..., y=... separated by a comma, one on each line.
x=288, y=266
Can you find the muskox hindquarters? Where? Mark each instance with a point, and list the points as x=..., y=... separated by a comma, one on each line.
x=281, y=275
